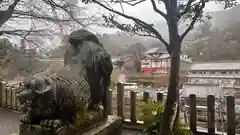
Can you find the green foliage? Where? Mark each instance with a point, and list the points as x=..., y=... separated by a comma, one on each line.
x=151, y=114
x=144, y=77
x=5, y=43
x=150, y=111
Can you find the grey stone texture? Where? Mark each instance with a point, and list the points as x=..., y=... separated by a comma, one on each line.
x=113, y=126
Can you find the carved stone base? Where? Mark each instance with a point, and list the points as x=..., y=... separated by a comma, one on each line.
x=112, y=126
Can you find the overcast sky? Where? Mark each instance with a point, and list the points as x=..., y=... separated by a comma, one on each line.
x=142, y=11
x=145, y=12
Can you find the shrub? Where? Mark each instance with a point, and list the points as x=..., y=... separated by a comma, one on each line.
x=151, y=114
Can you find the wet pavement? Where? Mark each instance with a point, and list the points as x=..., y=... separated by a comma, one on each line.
x=8, y=121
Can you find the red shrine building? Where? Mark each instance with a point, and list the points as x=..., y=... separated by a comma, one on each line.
x=156, y=61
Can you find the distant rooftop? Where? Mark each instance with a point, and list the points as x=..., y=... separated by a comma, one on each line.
x=166, y=56
x=220, y=65
x=155, y=50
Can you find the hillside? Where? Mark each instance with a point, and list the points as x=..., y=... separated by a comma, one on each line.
x=121, y=43
x=220, y=20
x=225, y=18
x=218, y=44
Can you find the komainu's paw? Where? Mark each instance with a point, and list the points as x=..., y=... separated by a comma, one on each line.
x=25, y=119
x=51, y=123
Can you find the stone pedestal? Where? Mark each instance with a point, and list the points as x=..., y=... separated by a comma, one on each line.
x=113, y=126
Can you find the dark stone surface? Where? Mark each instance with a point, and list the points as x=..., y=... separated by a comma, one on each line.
x=55, y=97
x=113, y=126
x=9, y=124
x=86, y=50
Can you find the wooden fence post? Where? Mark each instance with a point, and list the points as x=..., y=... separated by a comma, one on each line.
x=8, y=97
x=231, y=123
x=159, y=96
x=109, y=96
x=211, y=114
x=18, y=106
x=2, y=87
x=8, y=89
x=193, y=113
x=120, y=96
x=14, y=98
x=4, y=95
x=113, y=85
x=183, y=110
x=133, y=107
x=145, y=96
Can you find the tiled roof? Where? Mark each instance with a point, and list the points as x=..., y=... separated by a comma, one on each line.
x=224, y=65
x=152, y=50
x=164, y=56
x=155, y=49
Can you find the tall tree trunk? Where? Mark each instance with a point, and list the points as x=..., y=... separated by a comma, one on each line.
x=7, y=14
x=177, y=118
x=170, y=109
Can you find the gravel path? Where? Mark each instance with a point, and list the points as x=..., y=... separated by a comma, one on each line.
x=8, y=121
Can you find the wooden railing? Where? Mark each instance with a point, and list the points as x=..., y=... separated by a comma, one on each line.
x=8, y=97
x=121, y=105
x=192, y=111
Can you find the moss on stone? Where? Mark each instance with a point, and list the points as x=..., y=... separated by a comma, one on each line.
x=87, y=120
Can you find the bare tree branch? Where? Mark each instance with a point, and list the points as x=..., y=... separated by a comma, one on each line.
x=27, y=15
x=20, y=32
x=53, y=17
x=55, y=5
x=131, y=2
x=157, y=10
x=198, y=12
x=137, y=21
x=187, y=7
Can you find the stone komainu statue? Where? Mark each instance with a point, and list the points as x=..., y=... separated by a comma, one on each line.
x=86, y=50
x=54, y=97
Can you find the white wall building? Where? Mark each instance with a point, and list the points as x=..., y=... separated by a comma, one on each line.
x=217, y=78
x=156, y=60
